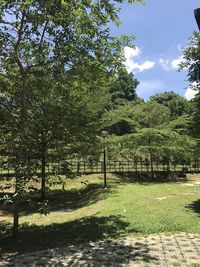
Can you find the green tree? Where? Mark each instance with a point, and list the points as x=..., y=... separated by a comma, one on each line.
x=151, y=114
x=120, y=119
x=191, y=61
x=152, y=136
x=123, y=98
x=180, y=125
x=177, y=104
x=67, y=118
x=124, y=86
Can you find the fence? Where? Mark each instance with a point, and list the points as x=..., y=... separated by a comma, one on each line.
x=112, y=166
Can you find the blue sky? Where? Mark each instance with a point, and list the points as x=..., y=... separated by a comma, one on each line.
x=162, y=29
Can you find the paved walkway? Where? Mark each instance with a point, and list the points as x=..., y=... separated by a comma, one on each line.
x=155, y=250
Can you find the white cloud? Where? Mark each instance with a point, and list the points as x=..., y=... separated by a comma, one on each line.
x=132, y=66
x=171, y=64
x=130, y=63
x=165, y=64
x=176, y=62
x=131, y=52
x=190, y=92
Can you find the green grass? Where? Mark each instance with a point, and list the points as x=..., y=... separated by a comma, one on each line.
x=85, y=211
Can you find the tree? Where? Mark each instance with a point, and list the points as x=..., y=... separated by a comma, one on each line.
x=120, y=119
x=177, y=104
x=153, y=143
x=152, y=136
x=191, y=61
x=124, y=86
x=181, y=125
x=67, y=118
x=123, y=98
x=151, y=114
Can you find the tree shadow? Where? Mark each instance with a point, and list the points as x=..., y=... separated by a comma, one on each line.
x=75, y=241
x=75, y=199
x=49, y=236
x=194, y=206
x=59, y=200
x=146, y=177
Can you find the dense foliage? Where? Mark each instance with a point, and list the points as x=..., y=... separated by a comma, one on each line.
x=192, y=63
x=150, y=131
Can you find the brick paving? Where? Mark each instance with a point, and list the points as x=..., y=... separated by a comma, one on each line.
x=155, y=250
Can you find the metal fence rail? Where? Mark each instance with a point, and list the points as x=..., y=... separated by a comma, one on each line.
x=112, y=166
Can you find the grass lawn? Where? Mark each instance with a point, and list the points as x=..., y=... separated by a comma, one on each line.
x=85, y=211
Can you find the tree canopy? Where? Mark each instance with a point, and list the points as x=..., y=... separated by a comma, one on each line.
x=191, y=61
x=177, y=104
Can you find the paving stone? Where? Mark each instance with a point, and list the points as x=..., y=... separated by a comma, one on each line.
x=156, y=250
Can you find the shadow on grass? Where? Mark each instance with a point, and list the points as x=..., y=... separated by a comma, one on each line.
x=146, y=177
x=68, y=236
x=75, y=199
x=194, y=206
x=59, y=200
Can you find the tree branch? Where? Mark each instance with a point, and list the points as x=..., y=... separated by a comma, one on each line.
x=20, y=31
x=43, y=33
x=19, y=65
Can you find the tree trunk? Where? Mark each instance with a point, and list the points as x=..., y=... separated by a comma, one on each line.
x=21, y=156
x=43, y=171
x=16, y=208
x=151, y=160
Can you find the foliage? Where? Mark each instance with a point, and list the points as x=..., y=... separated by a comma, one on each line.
x=181, y=125
x=129, y=116
x=124, y=86
x=177, y=104
x=119, y=120
x=151, y=114
x=152, y=135
x=152, y=144
x=191, y=61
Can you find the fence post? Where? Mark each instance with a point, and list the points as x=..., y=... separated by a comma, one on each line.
x=78, y=167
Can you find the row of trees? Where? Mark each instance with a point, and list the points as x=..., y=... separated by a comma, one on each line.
x=155, y=130
x=165, y=128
